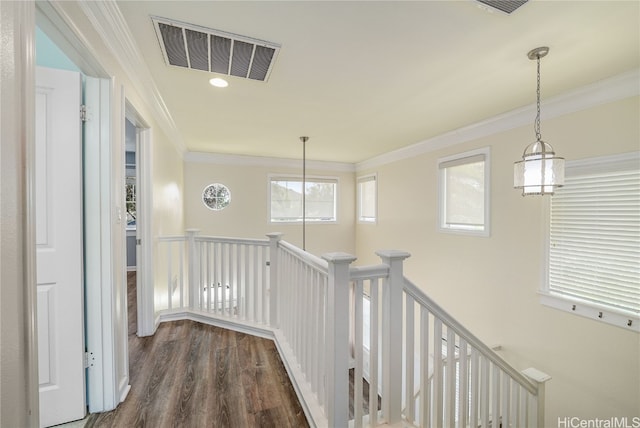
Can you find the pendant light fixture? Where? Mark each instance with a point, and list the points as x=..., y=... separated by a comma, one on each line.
x=304, y=192
x=540, y=171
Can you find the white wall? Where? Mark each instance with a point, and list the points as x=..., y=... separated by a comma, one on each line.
x=248, y=214
x=490, y=284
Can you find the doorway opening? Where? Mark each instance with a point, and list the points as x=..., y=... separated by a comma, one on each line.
x=137, y=148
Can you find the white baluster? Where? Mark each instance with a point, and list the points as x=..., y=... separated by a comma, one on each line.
x=256, y=283
x=237, y=284
x=323, y=335
x=374, y=308
x=515, y=401
x=315, y=306
x=274, y=239
x=225, y=277
x=437, y=373
x=506, y=396
x=191, y=256
x=250, y=282
x=463, y=388
x=409, y=353
x=181, y=269
x=169, y=274
x=484, y=391
x=475, y=388
x=495, y=395
x=218, y=278
x=425, y=376
x=209, y=261
x=357, y=378
x=264, y=282
x=450, y=371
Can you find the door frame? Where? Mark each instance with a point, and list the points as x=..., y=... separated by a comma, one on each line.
x=105, y=391
x=144, y=202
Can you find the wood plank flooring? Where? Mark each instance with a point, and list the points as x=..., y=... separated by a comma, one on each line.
x=194, y=375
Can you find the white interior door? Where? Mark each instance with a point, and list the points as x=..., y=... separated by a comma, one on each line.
x=59, y=246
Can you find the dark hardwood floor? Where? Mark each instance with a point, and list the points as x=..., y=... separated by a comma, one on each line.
x=194, y=375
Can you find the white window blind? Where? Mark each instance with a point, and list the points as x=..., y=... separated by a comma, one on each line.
x=464, y=192
x=286, y=199
x=594, y=235
x=367, y=198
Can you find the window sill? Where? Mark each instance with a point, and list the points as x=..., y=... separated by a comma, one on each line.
x=592, y=311
x=462, y=231
x=367, y=221
x=308, y=222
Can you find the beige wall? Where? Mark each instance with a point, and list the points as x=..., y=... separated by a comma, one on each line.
x=491, y=284
x=247, y=215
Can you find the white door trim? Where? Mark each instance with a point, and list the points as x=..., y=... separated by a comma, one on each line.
x=19, y=365
x=144, y=202
x=100, y=322
x=145, y=290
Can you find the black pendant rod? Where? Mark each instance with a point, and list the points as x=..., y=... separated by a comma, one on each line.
x=304, y=192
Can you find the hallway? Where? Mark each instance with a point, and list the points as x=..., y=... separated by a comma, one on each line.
x=194, y=375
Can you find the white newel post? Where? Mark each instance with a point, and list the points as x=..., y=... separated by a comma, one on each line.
x=337, y=340
x=392, y=315
x=274, y=239
x=193, y=267
x=539, y=378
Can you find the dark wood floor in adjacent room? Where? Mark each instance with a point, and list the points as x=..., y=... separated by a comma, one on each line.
x=194, y=375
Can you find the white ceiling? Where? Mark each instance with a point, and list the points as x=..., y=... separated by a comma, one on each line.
x=362, y=78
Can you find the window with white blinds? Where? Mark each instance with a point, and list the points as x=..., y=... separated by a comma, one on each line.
x=285, y=199
x=367, y=195
x=594, y=235
x=463, y=193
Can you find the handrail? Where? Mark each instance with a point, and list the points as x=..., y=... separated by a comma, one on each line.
x=173, y=238
x=314, y=261
x=368, y=272
x=420, y=297
x=225, y=240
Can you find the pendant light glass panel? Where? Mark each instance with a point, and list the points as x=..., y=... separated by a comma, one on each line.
x=540, y=171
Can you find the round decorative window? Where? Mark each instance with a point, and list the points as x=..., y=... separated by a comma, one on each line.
x=216, y=196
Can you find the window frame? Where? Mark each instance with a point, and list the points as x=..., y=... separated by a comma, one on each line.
x=458, y=159
x=589, y=309
x=309, y=178
x=130, y=183
x=362, y=179
x=216, y=208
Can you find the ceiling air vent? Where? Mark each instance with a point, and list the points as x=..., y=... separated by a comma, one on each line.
x=199, y=48
x=506, y=6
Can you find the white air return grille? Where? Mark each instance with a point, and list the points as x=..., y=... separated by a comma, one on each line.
x=506, y=6
x=199, y=48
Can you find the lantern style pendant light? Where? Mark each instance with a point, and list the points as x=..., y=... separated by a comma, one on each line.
x=540, y=171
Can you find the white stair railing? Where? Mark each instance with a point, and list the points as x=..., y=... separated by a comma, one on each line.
x=428, y=370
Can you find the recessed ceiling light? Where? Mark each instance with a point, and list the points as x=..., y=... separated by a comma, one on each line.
x=219, y=83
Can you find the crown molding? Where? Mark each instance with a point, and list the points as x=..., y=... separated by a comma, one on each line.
x=241, y=160
x=106, y=18
x=616, y=88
